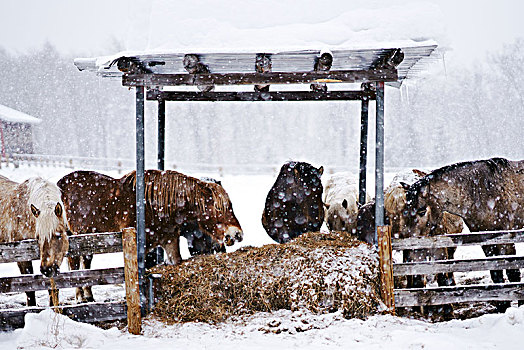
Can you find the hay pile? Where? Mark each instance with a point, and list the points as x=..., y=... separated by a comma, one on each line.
x=317, y=271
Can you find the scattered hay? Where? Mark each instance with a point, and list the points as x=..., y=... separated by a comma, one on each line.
x=316, y=271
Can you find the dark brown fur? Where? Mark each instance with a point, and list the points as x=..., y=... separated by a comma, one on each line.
x=98, y=203
x=294, y=203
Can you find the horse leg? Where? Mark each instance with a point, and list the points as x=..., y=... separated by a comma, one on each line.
x=512, y=274
x=88, y=294
x=445, y=279
x=172, y=248
x=74, y=264
x=414, y=281
x=497, y=276
x=26, y=268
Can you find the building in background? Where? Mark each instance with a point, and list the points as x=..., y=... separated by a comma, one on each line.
x=16, y=131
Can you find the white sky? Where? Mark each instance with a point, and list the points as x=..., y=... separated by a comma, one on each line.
x=91, y=28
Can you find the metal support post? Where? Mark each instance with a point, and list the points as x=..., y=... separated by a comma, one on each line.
x=140, y=197
x=363, y=149
x=161, y=133
x=379, y=159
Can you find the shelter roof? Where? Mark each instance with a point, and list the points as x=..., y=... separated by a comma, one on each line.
x=13, y=116
x=354, y=59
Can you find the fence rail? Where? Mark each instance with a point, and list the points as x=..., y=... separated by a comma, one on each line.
x=455, y=294
x=123, y=165
x=99, y=243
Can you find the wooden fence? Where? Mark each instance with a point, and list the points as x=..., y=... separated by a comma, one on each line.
x=78, y=245
x=459, y=293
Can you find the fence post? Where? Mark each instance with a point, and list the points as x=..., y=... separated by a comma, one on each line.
x=386, y=267
x=134, y=321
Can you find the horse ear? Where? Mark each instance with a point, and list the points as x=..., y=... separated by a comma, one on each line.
x=58, y=210
x=404, y=185
x=320, y=170
x=35, y=211
x=345, y=203
x=419, y=172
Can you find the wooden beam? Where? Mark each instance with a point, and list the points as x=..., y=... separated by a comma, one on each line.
x=93, y=243
x=440, y=266
x=134, y=320
x=71, y=279
x=385, y=264
x=349, y=76
x=460, y=239
x=447, y=295
x=260, y=96
x=90, y=312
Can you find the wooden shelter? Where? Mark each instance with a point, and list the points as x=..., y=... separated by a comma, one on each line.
x=275, y=76
x=16, y=131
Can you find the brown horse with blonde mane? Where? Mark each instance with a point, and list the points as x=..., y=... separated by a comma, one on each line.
x=99, y=203
x=33, y=209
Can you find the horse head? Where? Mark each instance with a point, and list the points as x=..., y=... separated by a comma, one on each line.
x=219, y=220
x=422, y=215
x=51, y=226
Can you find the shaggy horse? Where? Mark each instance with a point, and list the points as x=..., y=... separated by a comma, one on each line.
x=33, y=209
x=294, y=203
x=341, y=201
x=174, y=202
x=487, y=194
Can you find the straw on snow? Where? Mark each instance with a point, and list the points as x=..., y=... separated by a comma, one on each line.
x=322, y=272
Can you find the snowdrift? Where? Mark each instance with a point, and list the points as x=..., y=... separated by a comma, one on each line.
x=321, y=272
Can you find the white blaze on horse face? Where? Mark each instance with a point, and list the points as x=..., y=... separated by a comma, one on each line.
x=232, y=234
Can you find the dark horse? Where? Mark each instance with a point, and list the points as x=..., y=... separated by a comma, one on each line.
x=487, y=194
x=174, y=202
x=294, y=203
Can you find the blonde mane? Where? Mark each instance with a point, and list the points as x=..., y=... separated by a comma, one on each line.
x=44, y=195
x=17, y=221
x=395, y=199
x=166, y=190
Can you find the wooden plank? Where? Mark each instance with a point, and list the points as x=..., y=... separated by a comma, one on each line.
x=466, y=265
x=93, y=243
x=260, y=96
x=454, y=294
x=386, y=267
x=134, y=321
x=460, y=239
x=89, y=312
x=346, y=76
x=70, y=279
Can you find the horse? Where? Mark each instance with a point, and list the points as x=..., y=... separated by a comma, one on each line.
x=341, y=201
x=487, y=194
x=174, y=202
x=395, y=206
x=294, y=203
x=33, y=209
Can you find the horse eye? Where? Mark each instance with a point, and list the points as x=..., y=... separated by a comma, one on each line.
x=58, y=234
x=421, y=212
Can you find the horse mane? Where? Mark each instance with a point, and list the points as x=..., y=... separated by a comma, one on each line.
x=495, y=165
x=167, y=189
x=44, y=195
x=395, y=199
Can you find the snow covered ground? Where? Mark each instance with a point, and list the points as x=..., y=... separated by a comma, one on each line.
x=283, y=329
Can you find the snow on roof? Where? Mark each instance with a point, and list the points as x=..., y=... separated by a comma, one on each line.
x=231, y=37
x=13, y=116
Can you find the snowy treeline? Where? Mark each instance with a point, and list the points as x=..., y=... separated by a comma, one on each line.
x=464, y=112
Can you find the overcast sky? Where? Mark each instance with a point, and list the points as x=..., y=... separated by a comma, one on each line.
x=91, y=28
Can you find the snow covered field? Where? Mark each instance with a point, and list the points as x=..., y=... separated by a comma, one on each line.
x=283, y=329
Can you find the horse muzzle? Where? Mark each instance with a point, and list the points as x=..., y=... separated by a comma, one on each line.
x=232, y=235
x=50, y=271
